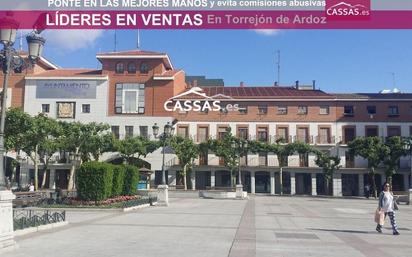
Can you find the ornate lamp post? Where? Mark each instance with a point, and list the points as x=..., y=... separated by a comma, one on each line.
x=163, y=196
x=240, y=147
x=10, y=60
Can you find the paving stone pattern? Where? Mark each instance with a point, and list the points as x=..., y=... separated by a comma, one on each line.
x=263, y=226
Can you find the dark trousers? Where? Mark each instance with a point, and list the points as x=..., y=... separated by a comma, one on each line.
x=392, y=219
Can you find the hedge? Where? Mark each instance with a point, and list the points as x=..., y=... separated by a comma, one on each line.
x=94, y=181
x=131, y=180
x=118, y=180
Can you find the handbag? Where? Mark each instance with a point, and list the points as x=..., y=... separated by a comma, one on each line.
x=395, y=206
x=379, y=217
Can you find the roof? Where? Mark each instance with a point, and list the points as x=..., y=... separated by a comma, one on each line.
x=41, y=59
x=202, y=81
x=78, y=73
x=260, y=93
x=136, y=54
x=373, y=96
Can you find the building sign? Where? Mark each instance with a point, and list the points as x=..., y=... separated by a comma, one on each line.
x=71, y=89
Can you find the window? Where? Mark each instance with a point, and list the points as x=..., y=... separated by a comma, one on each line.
x=303, y=135
x=324, y=110
x=85, y=108
x=283, y=134
x=262, y=134
x=203, y=157
x=371, y=109
x=393, y=110
x=119, y=68
x=349, y=160
x=243, y=109
x=143, y=131
x=131, y=68
x=130, y=98
x=144, y=68
x=324, y=136
x=115, y=132
x=349, y=134
x=348, y=110
x=302, y=110
x=183, y=131
x=394, y=131
x=45, y=108
x=262, y=109
x=221, y=132
x=282, y=110
x=129, y=131
x=243, y=132
x=371, y=131
x=202, y=134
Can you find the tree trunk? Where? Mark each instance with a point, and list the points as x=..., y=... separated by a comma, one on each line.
x=70, y=186
x=327, y=187
x=375, y=193
x=389, y=178
x=281, y=180
x=36, y=169
x=43, y=183
x=184, y=177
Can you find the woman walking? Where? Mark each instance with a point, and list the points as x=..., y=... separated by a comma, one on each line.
x=387, y=205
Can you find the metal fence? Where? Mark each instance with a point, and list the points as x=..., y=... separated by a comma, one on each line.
x=145, y=200
x=33, y=218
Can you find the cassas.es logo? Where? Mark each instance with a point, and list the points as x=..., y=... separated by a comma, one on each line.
x=348, y=9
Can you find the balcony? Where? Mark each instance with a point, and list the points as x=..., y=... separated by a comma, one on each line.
x=322, y=140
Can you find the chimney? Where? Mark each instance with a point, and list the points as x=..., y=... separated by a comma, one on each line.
x=242, y=84
x=314, y=84
x=297, y=84
x=275, y=84
x=194, y=83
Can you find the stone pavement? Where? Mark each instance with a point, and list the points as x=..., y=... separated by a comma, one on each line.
x=261, y=226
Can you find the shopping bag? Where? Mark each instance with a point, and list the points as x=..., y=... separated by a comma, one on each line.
x=379, y=217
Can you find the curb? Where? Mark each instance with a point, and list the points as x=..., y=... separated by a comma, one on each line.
x=40, y=228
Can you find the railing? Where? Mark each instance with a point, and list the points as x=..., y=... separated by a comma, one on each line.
x=145, y=200
x=33, y=218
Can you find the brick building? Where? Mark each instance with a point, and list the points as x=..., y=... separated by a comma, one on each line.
x=132, y=89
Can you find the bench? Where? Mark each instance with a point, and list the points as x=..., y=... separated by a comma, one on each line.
x=401, y=196
x=24, y=199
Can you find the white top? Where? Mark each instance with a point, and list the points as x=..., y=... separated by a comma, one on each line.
x=31, y=188
x=387, y=205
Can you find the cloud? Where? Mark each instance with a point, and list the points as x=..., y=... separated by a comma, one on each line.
x=72, y=40
x=267, y=32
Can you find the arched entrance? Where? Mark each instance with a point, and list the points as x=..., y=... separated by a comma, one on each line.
x=262, y=182
x=222, y=178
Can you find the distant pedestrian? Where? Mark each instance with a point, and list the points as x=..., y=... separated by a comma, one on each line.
x=367, y=190
x=31, y=187
x=387, y=205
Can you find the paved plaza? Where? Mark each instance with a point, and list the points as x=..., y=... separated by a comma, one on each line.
x=261, y=226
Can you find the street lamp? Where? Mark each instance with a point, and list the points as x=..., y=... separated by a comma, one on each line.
x=167, y=132
x=240, y=147
x=11, y=60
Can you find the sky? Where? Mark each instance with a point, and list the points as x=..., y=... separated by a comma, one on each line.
x=339, y=60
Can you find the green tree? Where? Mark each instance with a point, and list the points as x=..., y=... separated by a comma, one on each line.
x=129, y=147
x=42, y=128
x=223, y=148
x=46, y=150
x=371, y=149
x=76, y=139
x=282, y=151
x=187, y=151
x=329, y=165
x=394, y=149
x=17, y=124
